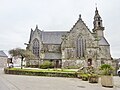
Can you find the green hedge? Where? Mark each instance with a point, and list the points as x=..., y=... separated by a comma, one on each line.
x=46, y=65
x=39, y=73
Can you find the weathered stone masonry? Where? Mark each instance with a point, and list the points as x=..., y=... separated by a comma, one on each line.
x=78, y=47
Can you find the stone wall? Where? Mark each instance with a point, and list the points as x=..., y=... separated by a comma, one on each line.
x=3, y=62
x=73, y=63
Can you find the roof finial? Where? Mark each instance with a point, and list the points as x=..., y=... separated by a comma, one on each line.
x=79, y=16
x=96, y=11
x=36, y=26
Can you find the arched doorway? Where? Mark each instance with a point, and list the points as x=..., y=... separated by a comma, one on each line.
x=89, y=62
x=58, y=63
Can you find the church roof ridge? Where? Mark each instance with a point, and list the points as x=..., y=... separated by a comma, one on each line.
x=54, y=31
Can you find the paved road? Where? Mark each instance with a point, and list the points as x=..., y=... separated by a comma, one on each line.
x=19, y=82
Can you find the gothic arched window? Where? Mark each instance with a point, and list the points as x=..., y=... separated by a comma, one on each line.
x=36, y=47
x=80, y=47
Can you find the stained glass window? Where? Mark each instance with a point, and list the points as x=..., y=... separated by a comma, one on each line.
x=36, y=47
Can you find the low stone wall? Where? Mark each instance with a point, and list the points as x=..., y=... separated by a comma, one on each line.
x=73, y=63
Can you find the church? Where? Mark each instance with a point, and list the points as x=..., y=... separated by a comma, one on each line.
x=75, y=48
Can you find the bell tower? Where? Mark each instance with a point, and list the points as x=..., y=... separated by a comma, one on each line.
x=97, y=23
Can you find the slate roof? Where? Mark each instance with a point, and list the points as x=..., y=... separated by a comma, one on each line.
x=2, y=54
x=103, y=42
x=53, y=37
x=52, y=56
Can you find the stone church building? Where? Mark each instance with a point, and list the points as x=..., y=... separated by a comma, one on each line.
x=77, y=47
x=3, y=59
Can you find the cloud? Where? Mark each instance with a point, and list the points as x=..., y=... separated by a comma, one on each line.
x=17, y=17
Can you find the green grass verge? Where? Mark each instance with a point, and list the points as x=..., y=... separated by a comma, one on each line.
x=45, y=70
x=41, y=72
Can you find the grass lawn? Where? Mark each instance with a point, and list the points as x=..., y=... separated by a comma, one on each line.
x=71, y=73
x=45, y=70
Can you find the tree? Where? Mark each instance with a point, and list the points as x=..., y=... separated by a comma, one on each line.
x=22, y=53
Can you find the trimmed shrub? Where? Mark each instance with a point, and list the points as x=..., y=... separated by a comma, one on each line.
x=46, y=65
x=72, y=67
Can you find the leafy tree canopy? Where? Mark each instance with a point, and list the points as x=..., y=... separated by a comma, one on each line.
x=22, y=53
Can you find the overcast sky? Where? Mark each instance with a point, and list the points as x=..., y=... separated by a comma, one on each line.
x=17, y=17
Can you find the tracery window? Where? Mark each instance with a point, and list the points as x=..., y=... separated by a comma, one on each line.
x=80, y=47
x=36, y=47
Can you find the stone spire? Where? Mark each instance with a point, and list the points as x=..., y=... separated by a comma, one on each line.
x=96, y=11
x=96, y=14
